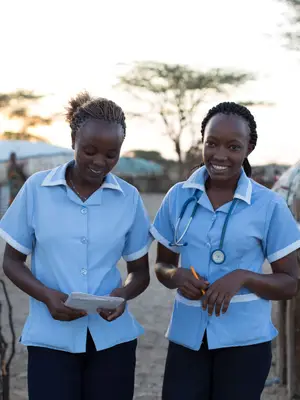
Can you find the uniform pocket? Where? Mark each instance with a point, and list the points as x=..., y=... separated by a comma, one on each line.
x=188, y=323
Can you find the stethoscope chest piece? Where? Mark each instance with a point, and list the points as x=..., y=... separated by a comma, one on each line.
x=218, y=256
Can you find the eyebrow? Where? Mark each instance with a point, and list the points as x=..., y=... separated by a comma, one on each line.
x=89, y=145
x=235, y=141
x=215, y=132
x=229, y=141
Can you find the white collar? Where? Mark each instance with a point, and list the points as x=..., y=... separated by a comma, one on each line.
x=57, y=176
x=198, y=178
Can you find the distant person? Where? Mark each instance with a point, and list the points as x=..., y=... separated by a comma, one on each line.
x=224, y=225
x=294, y=200
x=77, y=221
x=288, y=186
x=15, y=176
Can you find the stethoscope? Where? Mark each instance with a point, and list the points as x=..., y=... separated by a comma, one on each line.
x=218, y=256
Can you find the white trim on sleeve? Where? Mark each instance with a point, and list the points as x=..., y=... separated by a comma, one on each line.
x=154, y=232
x=140, y=253
x=284, y=252
x=13, y=243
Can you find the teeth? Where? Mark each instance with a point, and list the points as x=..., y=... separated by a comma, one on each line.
x=95, y=172
x=219, y=167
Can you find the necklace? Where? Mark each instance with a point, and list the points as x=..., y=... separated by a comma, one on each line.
x=82, y=198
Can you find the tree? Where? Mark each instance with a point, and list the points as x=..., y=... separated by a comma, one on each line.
x=29, y=137
x=151, y=155
x=174, y=93
x=17, y=105
x=292, y=34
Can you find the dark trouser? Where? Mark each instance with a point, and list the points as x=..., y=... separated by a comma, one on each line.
x=94, y=375
x=234, y=373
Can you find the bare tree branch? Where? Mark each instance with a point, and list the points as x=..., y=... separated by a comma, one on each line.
x=174, y=93
x=292, y=33
x=16, y=105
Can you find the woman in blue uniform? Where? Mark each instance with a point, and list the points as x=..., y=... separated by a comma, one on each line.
x=77, y=221
x=222, y=225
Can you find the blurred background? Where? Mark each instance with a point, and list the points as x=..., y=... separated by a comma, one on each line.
x=165, y=63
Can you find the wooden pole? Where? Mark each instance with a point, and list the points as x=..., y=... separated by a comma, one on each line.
x=290, y=348
x=297, y=342
x=281, y=343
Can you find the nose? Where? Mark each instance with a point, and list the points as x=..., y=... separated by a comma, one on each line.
x=99, y=162
x=219, y=157
x=220, y=154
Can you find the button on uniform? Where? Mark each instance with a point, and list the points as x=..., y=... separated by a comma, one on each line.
x=83, y=271
x=83, y=240
x=83, y=211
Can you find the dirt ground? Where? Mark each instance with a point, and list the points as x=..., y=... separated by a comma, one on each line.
x=152, y=310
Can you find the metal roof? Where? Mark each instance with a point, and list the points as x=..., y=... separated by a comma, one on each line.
x=25, y=149
x=137, y=167
x=126, y=166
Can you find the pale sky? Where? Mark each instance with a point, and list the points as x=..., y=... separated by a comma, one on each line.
x=62, y=47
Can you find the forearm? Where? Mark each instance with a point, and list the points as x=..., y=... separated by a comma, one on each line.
x=279, y=286
x=135, y=284
x=165, y=274
x=22, y=277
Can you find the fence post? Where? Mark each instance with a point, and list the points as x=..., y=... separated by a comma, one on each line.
x=6, y=359
x=281, y=343
x=297, y=341
x=290, y=348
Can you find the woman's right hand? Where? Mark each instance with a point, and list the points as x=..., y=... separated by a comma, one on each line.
x=188, y=285
x=55, y=302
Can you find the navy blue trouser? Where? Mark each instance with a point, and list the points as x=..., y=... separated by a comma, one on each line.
x=94, y=375
x=234, y=373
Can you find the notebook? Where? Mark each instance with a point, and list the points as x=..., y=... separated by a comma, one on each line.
x=90, y=303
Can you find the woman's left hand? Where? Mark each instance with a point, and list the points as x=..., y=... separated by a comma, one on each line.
x=111, y=315
x=220, y=293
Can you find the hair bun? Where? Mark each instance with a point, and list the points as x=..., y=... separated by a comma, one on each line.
x=75, y=103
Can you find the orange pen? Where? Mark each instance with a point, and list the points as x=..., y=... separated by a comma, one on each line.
x=197, y=277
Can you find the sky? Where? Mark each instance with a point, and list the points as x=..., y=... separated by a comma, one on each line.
x=59, y=48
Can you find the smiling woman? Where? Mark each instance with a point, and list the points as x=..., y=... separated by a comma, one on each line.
x=233, y=126
x=98, y=130
x=223, y=225
x=78, y=220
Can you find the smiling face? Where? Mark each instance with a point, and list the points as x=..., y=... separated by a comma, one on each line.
x=97, y=148
x=226, y=145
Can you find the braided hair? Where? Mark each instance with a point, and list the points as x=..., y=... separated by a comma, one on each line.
x=241, y=111
x=83, y=108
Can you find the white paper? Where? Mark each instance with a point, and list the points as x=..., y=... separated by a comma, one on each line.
x=90, y=303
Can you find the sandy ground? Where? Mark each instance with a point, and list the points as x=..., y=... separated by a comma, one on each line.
x=152, y=309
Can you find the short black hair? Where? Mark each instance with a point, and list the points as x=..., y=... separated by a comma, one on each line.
x=241, y=111
x=83, y=107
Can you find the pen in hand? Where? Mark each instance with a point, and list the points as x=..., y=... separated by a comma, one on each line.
x=197, y=277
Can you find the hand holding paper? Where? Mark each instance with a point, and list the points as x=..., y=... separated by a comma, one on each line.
x=91, y=303
x=111, y=315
